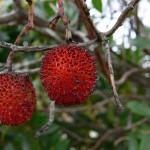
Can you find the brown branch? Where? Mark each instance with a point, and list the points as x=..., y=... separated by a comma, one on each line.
x=97, y=105
x=20, y=16
x=92, y=30
x=61, y=14
x=120, y=139
x=138, y=79
x=49, y=33
x=27, y=28
x=101, y=63
x=122, y=17
x=27, y=64
x=29, y=25
x=105, y=137
x=8, y=17
x=111, y=132
x=121, y=67
x=16, y=48
x=9, y=60
x=130, y=72
x=17, y=66
x=75, y=135
x=29, y=71
x=111, y=72
x=50, y=120
x=93, y=33
x=85, y=108
x=121, y=57
x=17, y=4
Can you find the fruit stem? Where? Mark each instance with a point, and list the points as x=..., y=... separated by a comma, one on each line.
x=9, y=60
x=50, y=120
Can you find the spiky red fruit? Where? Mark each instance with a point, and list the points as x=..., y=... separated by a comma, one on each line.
x=17, y=98
x=68, y=74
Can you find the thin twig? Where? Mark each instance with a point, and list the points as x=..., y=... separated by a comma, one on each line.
x=130, y=72
x=120, y=139
x=111, y=72
x=111, y=132
x=26, y=29
x=85, y=108
x=122, y=17
x=29, y=25
x=29, y=71
x=97, y=105
x=61, y=14
x=50, y=120
x=85, y=13
x=2, y=68
x=28, y=63
x=9, y=60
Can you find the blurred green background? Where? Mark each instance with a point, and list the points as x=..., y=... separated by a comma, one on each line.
x=97, y=124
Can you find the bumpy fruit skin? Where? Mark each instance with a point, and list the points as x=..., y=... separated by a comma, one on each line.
x=17, y=98
x=68, y=74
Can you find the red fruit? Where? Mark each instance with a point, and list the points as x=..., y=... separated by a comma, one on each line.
x=17, y=98
x=68, y=74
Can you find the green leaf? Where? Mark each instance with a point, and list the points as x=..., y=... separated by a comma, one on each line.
x=133, y=144
x=38, y=119
x=9, y=146
x=97, y=4
x=139, y=108
x=63, y=145
x=145, y=144
x=140, y=42
x=47, y=8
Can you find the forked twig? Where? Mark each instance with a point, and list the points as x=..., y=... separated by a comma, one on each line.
x=111, y=72
x=61, y=14
x=50, y=120
x=26, y=29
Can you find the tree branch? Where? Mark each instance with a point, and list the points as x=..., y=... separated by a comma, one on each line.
x=61, y=14
x=111, y=72
x=116, y=131
x=50, y=120
x=130, y=72
x=16, y=48
x=97, y=105
x=26, y=29
x=122, y=17
x=93, y=33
